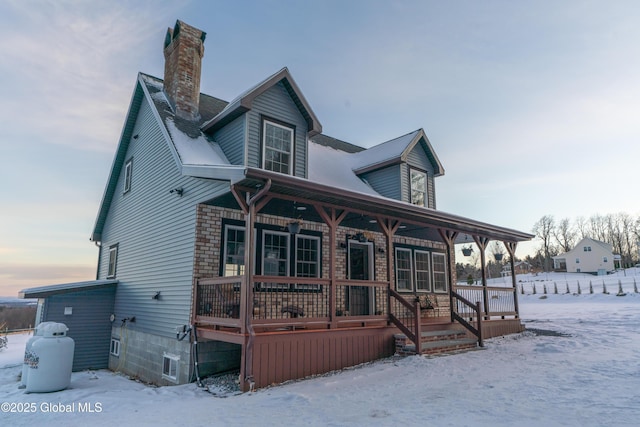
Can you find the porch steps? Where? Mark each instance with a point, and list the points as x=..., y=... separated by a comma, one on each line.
x=436, y=342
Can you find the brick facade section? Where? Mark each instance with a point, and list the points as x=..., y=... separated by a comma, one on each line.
x=209, y=234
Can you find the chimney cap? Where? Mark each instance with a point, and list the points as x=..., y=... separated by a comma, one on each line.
x=172, y=33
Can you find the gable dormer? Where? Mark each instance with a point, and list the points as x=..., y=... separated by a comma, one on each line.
x=268, y=127
x=403, y=168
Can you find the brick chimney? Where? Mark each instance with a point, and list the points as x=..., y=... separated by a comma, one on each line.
x=183, y=51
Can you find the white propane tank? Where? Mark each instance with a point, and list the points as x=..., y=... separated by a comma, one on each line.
x=52, y=360
x=37, y=334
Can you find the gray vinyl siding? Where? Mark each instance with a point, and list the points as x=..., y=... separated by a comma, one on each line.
x=275, y=103
x=418, y=159
x=89, y=324
x=386, y=181
x=231, y=139
x=155, y=233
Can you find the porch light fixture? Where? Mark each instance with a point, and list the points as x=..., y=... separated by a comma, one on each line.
x=135, y=136
x=178, y=191
x=156, y=295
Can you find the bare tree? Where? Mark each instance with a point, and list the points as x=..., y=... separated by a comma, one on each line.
x=564, y=235
x=543, y=229
x=628, y=239
x=582, y=227
x=598, y=228
x=614, y=232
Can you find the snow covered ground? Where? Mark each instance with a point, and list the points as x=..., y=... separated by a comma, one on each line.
x=578, y=365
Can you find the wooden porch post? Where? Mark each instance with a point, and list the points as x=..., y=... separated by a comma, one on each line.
x=389, y=227
x=449, y=238
x=482, y=243
x=248, y=206
x=511, y=248
x=332, y=220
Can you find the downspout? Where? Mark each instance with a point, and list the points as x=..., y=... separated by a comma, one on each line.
x=250, y=211
x=248, y=311
x=99, y=245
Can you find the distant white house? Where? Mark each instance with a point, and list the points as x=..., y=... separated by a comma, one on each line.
x=588, y=256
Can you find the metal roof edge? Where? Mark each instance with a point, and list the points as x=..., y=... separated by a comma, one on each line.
x=63, y=288
x=229, y=173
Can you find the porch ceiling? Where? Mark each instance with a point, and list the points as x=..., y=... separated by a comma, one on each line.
x=363, y=208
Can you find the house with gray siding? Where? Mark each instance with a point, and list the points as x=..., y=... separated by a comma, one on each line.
x=235, y=234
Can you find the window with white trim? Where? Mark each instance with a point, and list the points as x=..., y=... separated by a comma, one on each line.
x=234, y=238
x=307, y=259
x=277, y=151
x=418, y=187
x=170, y=364
x=403, y=269
x=420, y=270
x=423, y=272
x=114, y=349
x=113, y=260
x=275, y=257
x=439, y=272
x=128, y=171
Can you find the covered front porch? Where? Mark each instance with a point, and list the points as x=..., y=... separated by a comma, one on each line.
x=310, y=278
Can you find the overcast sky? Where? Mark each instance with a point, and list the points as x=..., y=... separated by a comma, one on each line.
x=533, y=107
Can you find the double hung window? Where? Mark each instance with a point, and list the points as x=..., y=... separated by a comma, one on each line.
x=420, y=270
x=277, y=147
x=278, y=253
x=113, y=261
x=418, y=187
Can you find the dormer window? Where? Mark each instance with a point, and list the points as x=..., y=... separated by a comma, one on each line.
x=277, y=146
x=418, y=187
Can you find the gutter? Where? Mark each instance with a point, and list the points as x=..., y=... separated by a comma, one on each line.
x=409, y=212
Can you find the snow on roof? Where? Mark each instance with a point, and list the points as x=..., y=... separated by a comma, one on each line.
x=62, y=288
x=195, y=151
x=333, y=167
x=380, y=153
x=236, y=102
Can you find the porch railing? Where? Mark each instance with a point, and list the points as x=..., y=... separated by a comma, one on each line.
x=500, y=302
x=218, y=301
x=406, y=317
x=280, y=301
x=468, y=315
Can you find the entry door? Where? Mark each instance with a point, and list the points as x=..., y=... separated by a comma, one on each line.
x=360, y=268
